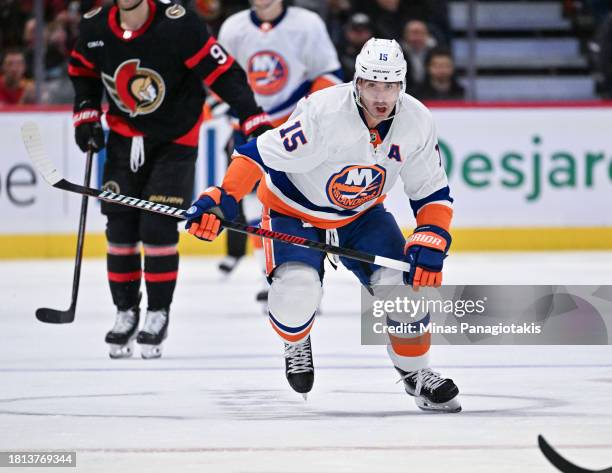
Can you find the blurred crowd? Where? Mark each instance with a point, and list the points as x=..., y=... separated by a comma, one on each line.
x=420, y=26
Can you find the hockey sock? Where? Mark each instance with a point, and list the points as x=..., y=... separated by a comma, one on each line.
x=123, y=263
x=161, y=269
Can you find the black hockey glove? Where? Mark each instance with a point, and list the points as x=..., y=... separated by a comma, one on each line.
x=256, y=125
x=87, y=128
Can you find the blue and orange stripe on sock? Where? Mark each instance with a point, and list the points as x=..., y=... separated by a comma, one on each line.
x=291, y=334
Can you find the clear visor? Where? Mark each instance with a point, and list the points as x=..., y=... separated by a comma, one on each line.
x=378, y=98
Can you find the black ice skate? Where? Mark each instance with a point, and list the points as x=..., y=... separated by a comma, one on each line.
x=298, y=366
x=227, y=265
x=431, y=392
x=262, y=296
x=154, y=332
x=121, y=337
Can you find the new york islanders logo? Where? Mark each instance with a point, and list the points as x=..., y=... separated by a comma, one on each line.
x=135, y=90
x=267, y=72
x=355, y=185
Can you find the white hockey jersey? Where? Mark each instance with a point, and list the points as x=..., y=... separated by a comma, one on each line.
x=321, y=166
x=281, y=59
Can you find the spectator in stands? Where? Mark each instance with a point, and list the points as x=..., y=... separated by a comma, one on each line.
x=441, y=82
x=56, y=44
x=336, y=18
x=13, y=15
x=435, y=14
x=602, y=49
x=356, y=32
x=388, y=16
x=56, y=56
x=29, y=40
x=416, y=43
x=15, y=89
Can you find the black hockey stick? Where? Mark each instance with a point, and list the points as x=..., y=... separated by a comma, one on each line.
x=561, y=463
x=37, y=154
x=53, y=316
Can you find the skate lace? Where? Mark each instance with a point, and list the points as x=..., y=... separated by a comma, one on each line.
x=425, y=378
x=125, y=321
x=155, y=321
x=298, y=357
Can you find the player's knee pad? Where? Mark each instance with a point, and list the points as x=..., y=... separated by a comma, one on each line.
x=158, y=229
x=295, y=294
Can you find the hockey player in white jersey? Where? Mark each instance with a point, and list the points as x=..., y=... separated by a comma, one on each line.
x=325, y=174
x=286, y=53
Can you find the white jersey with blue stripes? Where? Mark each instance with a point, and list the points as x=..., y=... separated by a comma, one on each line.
x=321, y=164
x=281, y=58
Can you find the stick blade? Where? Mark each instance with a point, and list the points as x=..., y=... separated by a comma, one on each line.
x=52, y=316
x=561, y=463
x=32, y=140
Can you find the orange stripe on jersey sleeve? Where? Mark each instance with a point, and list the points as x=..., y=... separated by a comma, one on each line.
x=320, y=83
x=279, y=121
x=435, y=214
x=241, y=176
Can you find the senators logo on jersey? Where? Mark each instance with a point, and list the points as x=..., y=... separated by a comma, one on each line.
x=135, y=90
x=355, y=185
x=267, y=72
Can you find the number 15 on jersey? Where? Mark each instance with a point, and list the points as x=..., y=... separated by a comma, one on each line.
x=291, y=135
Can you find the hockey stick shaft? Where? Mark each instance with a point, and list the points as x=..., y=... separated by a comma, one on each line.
x=54, y=316
x=142, y=204
x=31, y=137
x=81, y=234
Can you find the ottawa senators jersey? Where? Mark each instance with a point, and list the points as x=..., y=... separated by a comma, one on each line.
x=153, y=77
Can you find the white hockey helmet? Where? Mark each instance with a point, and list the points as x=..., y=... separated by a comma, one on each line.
x=381, y=60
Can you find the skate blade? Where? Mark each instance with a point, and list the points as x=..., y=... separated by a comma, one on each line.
x=117, y=352
x=450, y=407
x=305, y=396
x=149, y=352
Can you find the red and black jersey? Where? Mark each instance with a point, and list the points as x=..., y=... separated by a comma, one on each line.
x=154, y=76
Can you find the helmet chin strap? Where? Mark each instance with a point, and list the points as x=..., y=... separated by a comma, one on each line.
x=131, y=8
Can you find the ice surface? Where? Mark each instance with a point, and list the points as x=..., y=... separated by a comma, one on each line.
x=218, y=399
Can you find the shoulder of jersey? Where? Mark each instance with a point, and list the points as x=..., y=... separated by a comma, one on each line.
x=302, y=14
x=331, y=99
x=418, y=115
x=237, y=20
x=414, y=105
